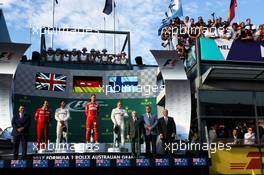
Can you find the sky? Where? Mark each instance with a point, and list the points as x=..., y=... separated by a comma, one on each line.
x=141, y=17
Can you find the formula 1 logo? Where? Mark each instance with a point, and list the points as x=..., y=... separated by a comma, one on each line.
x=5, y=56
x=77, y=106
x=253, y=164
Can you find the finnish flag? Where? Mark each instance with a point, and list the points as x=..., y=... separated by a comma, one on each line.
x=176, y=8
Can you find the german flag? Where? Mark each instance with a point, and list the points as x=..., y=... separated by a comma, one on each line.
x=86, y=86
x=232, y=10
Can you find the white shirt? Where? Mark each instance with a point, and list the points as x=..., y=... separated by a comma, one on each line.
x=66, y=58
x=83, y=57
x=212, y=135
x=123, y=60
x=104, y=58
x=74, y=58
x=166, y=119
x=211, y=33
x=249, y=139
x=116, y=117
x=117, y=61
x=50, y=57
x=62, y=115
x=188, y=24
x=21, y=115
x=97, y=59
x=228, y=33
x=57, y=57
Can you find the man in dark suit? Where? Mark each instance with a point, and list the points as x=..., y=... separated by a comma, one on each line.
x=134, y=133
x=167, y=129
x=20, y=122
x=150, y=122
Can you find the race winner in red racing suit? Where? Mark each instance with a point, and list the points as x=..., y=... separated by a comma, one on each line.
x=43, y=117
x=92, y=111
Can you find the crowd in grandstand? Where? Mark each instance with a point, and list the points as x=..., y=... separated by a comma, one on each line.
x=82, y=56
x=239, y=133
x=184, y=32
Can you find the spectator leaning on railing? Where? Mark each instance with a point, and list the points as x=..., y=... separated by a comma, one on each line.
x=104, y=56
x=249, y=137
x=259, y=35
x=82, y=56
x=235, y=32
x=235, y=132
x=214, y=28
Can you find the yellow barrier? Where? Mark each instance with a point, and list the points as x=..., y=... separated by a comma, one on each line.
x=237, y=161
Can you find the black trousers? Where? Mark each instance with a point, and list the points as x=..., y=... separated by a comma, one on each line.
x=23, y=138
x=151, y=139
x=135, y=146
x=165, y=143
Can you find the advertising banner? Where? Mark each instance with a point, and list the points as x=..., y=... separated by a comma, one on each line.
x=236, y=161
x=10, y=55
x=231, y=50
x=5, y=100
x=77, y=120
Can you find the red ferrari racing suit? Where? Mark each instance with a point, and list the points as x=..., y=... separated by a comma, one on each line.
x=91, y=111
x=42, y=117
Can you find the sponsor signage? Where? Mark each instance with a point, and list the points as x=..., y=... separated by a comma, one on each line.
x=231, y=50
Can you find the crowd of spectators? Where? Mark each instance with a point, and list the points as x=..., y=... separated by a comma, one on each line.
x=82, y=56
x=239, y=133
x=187, y=30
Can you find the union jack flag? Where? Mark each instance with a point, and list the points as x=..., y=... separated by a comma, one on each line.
x=50, y=82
